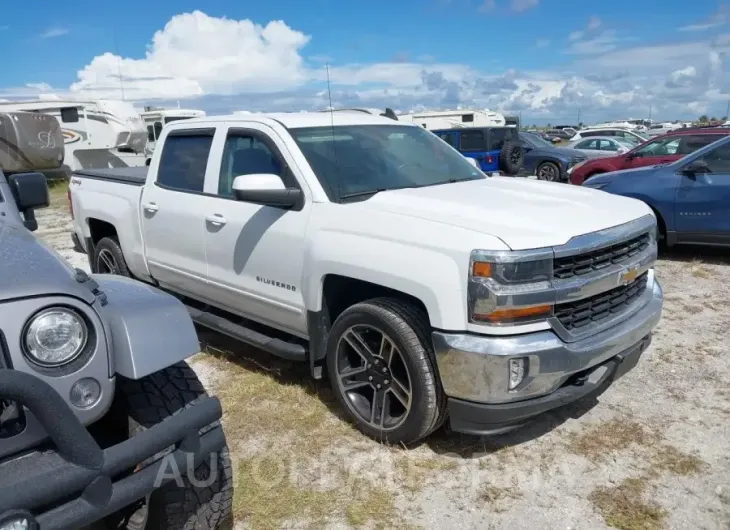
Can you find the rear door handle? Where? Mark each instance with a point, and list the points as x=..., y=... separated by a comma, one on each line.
x=216, y=219
x=150, y=207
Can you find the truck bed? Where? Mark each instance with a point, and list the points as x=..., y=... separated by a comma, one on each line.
x=134, y=176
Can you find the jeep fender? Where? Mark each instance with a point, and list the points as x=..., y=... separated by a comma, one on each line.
x=147, y=329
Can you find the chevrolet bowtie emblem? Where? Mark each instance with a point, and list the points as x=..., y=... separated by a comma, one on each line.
x=629, y=276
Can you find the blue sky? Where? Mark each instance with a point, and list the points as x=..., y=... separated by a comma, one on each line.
x=548, y=59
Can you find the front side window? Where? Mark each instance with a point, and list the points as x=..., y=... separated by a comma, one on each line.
x=245, y=154
x=355, y=159
x=150, y=134
x=690, y=144
x=718, y=160
x=449, y=138
x=589, y=144
x=660, y=147
x=184, y=159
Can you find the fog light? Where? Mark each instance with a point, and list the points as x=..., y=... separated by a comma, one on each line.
x=17, y=520
x=85, y=393
x=517, y=370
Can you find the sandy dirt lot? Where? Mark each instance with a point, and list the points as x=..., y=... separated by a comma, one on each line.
x=653, y=452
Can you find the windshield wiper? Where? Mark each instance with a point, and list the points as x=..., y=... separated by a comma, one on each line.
x=373, y=192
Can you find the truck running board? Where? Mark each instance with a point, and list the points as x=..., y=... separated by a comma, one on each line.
x=278, y=347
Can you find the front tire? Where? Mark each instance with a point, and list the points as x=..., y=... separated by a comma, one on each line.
x=382, y=367
x=548, y=171
x=145, y=403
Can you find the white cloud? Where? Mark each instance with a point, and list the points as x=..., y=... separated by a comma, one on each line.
x=542, y=43
x=4, y=28
x=576, y=35
x=717, y=19
x=222, y=65
x=52, y=33
x=523, y=5
x=195, y=54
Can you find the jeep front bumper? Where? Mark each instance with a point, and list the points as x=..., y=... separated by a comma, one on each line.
x=73, y=482
x=474, y=369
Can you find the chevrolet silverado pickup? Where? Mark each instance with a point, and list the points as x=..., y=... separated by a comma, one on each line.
x=373, y=251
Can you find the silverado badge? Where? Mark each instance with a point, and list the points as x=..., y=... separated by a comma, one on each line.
x=628, y=276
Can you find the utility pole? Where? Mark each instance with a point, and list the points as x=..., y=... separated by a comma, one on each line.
x=650, y=111
x=727, y=110
x=578, y=116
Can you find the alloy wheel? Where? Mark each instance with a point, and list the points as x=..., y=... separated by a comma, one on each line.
x=373, y=377
x=106, y=263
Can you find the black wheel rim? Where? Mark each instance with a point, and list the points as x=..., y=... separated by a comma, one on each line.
x=547, y=172
x=106, y=263
x=373, y=377
x=515, y=156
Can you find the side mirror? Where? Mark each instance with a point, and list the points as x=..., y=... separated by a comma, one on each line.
x=30, y=191
x=696, y=167
x=622, y=150
x=472, y=161
x=266, y=189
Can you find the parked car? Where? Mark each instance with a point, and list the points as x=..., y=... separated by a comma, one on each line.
x=689, y=196
x=97, y=405
x=275, y=229
x=561, y=134
x=632, y=135
x=546, y=161
x=602, y=146
x=661, y=150
x=496, y=149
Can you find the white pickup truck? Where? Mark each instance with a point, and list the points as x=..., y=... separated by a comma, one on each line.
x=372, y=250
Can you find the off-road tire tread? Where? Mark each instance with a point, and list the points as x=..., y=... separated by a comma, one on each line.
x=153, y=399
x=111, y=243
x=412, y=324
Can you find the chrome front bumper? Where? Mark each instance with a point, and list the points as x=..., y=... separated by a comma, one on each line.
x=476, y=367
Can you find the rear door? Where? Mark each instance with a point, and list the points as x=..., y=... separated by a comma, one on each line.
x=702, y=210
x=172, y=220
x=473, y=143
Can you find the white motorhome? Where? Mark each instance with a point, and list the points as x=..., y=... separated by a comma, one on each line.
x=156, y=118
x=450, y=119
x=97, y=134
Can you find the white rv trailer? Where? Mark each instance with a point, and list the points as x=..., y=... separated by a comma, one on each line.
x=156, y=118
x=450, y=119
x=97, y=134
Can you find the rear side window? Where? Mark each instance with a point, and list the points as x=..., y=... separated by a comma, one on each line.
x=70, y=115
x=473, y=141
x=184, y=159
x=498, y=136
x=607, y=145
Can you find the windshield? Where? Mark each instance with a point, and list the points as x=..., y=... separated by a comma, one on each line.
x=535, y=141
x=355, y=159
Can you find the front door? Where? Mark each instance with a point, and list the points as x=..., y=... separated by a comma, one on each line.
x=659, y=151
x=255, y=253
x=172, y=222
x=702, y=210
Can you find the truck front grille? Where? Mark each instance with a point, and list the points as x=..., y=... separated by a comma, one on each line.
x=570, y=266
x=574, y=315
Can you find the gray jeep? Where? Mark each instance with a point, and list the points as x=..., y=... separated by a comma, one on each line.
x=102, y=423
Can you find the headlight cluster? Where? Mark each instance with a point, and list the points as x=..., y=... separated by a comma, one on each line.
x=495, y=280
x=575, y=163
x=55, y=336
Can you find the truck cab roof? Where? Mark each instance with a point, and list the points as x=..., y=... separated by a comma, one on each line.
x=300, y=119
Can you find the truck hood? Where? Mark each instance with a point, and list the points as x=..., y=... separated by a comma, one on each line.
x=31, y=268
x=523, y=213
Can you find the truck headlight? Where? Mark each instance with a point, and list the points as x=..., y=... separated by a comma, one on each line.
x=496, y=278
x=55, y=336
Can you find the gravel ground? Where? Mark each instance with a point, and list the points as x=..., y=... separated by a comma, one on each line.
x=651, y=453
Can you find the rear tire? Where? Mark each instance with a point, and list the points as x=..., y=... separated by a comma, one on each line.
x=109, y=258
x=145, y=403
x=399, y=354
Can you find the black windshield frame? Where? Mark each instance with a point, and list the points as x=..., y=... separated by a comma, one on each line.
x=351, y=160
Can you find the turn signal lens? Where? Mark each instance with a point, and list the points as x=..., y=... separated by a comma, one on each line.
x=509, y=316
x=482, y=269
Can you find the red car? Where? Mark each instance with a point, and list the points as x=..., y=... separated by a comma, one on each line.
x=660, y=150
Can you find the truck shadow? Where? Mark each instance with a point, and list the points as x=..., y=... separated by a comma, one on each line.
x=710, y=255
x=442, y=442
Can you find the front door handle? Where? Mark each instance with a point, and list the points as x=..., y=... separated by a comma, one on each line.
x=216, y=219
x=150, y=207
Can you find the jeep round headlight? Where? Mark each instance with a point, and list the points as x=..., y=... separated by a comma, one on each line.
x=55, y=336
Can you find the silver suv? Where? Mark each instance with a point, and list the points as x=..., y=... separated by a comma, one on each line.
x=100, y=417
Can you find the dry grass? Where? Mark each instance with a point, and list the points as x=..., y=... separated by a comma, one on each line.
x=670, y=459
x=293, y=455
x=499, y=498
x=606, y=438
x=57, y=193
x=624, y=507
